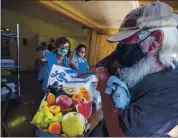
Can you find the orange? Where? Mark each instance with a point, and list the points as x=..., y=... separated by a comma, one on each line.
x=55, y=128
x=51, y=99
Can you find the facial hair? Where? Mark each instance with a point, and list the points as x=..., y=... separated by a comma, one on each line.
x=133, y=75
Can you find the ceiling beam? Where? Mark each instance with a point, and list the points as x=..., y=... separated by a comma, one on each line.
x=65, y=9
x=107, y=31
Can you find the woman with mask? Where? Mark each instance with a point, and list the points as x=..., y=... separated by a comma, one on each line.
x=79, y=59
x=61, y=57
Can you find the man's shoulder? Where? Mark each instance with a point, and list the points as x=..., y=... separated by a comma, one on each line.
x=154, y=102
x=156, y=83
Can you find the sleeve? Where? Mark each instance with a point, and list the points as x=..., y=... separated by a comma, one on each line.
x=74, y=58
x=87, y=63
x=108, y=60
x=149, y=114
x=51, y=58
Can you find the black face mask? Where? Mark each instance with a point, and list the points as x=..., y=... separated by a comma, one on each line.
x=130, y=54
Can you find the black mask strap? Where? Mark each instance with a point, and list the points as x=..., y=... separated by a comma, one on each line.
x=121, y=42
x=145, y=37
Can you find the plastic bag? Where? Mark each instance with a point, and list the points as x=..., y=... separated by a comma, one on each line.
x=59, y=74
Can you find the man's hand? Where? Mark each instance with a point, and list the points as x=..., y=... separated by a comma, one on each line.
x=102, y=74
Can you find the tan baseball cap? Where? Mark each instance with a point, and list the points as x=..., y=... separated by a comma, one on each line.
x=155, y=15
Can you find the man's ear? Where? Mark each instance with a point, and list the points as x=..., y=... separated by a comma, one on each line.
x=158, y=41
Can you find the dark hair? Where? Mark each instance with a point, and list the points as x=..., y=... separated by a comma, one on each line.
x=43, y=44
x=50, y=47
x=80, y=46
x=61, y=41
x=52, y=40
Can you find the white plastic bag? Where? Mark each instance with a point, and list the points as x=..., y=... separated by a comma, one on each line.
x=59, y=74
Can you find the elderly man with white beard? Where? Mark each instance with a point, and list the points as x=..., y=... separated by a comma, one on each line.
x=147, y=56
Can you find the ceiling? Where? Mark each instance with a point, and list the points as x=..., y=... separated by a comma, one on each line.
x=109, y=14
x=100, y=14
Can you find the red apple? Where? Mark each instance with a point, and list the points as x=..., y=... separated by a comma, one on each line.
x=64, y=101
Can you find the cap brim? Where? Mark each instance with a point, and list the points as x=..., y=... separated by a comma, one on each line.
x=122, y=35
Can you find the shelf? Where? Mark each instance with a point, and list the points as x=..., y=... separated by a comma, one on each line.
x=13, y=96
x=9, y=35
x=8, y=68
x=8, y=64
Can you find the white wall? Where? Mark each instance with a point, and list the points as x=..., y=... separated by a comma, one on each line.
x=38, y=24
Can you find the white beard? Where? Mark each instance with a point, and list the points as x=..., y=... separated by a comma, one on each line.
x=133, y=75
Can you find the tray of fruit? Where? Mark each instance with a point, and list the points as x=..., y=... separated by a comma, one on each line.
x=64, y=113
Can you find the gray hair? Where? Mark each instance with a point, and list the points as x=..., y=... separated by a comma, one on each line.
x=168, y=52
x=167, y=55
x=133, y=75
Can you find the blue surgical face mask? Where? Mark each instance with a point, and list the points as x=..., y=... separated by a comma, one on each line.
x=62, y=52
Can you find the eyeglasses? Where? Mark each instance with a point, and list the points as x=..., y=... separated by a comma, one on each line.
x=64, y=47
x=140, y=33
